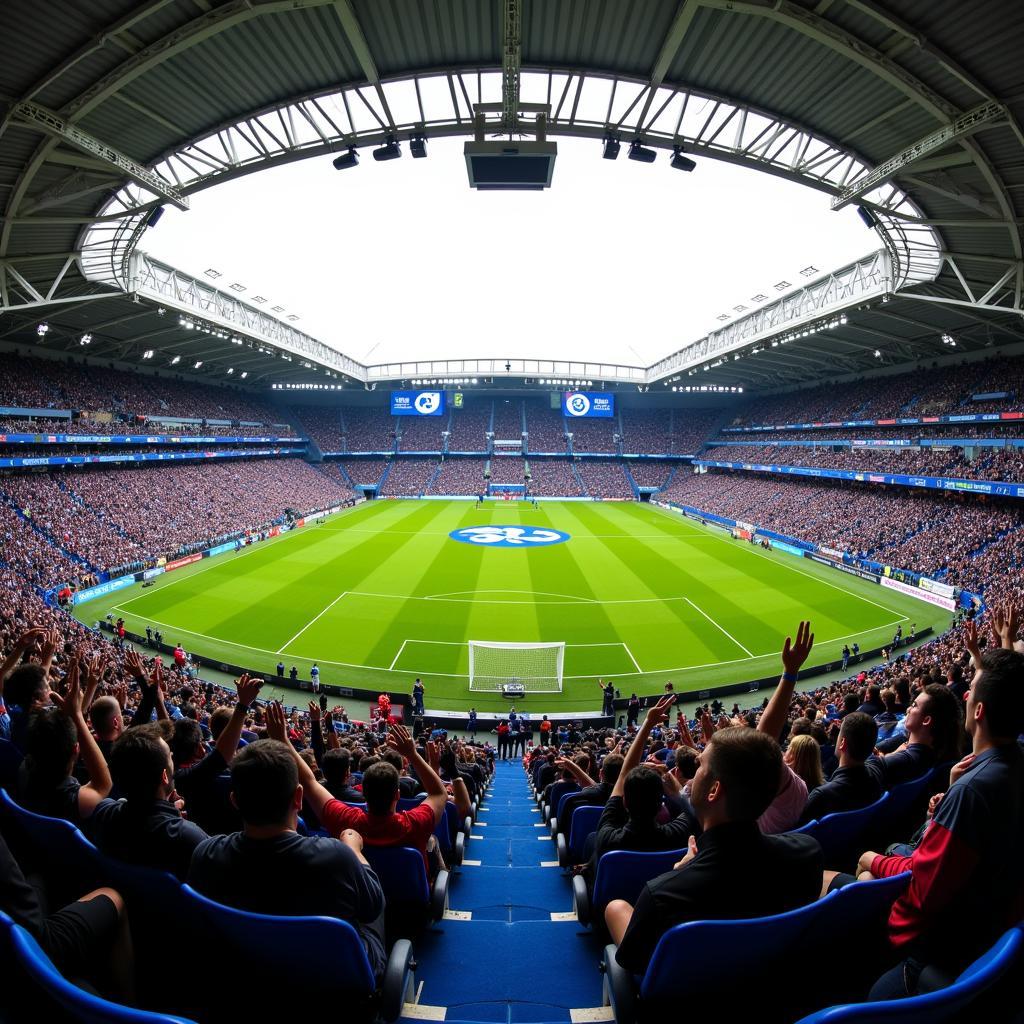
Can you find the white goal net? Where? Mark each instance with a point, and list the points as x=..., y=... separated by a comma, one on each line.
x=538, y=667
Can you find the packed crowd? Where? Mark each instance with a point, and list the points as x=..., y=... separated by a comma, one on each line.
x=604, y=479
x=507, y=469
x=124, y=518
x=924, y=391
x=1004, y=429
x=546, y=427
x=988, y=463
x=459, y=476
x=408, y=477
x=422, y=433
x=965, y=542
x=368, y=429
x=553, y=478
x=647, y=431
x=508, y=419
x=321, y=424
x=469, y=427
x=30, y=382
x=651, y=473
x=363, y=471
x=596, y=435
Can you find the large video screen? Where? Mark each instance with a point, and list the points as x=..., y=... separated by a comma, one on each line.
x=577, y=404
x=417, y=403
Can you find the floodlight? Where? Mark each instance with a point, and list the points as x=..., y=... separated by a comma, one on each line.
x=175, y=360
x=418, y=147
x=867, y=216
x=245, y=373
x=611, y=149
x=86, y=339
x=199, y=363
x=346, y=160
x=389, y=151
x=148, y=354
x=680, y=162
x=231, y=370
x=42, y=330
x=641, y=153
x=878, y=354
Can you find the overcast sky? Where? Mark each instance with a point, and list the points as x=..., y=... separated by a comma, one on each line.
x=618, y=261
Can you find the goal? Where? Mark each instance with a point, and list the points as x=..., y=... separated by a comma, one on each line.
x=538, y=667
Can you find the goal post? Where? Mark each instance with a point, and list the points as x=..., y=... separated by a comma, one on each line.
x=537, y=666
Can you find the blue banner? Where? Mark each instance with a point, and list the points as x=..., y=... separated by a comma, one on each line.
x=991, y=487
x=88, y=460
x=103, y=588
x=985, y=417
x=140, y=439
x=417, y=403
x=577, y=404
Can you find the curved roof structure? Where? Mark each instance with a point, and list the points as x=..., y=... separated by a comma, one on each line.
x=116, y=108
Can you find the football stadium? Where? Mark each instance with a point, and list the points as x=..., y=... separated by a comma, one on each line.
x=513, y=513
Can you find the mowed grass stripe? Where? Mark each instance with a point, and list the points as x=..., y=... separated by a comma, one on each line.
x=269, y=604
x=662, y=634
x=772, y=602
x=361, y=623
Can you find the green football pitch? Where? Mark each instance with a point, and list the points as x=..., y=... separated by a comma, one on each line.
x=380, y=594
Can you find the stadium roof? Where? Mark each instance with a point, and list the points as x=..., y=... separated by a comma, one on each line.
x=114, y=109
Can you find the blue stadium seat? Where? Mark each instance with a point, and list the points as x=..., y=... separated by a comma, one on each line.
x=560, y=810
x=321, y=957
x=843, y=836
x=558, y=790
x=67, y=860
x=411, y=900
x=583, y=825
x=712, y=954
x=944, y=1005
x=621, y=874
x=41, y=982
x=10, y=760
x=451, y=835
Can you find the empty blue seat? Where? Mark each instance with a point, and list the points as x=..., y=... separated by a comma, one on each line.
x=583, y=825
x=411, y=899
x=844, y=835
x=41, y=982
x=621, y=874
x=324, y=956
x=558, y=790
x=945, y=1004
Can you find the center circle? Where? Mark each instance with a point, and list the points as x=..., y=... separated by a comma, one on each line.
x=509, y=536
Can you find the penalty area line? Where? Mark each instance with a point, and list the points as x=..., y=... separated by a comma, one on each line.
x=282, y=648
x=625, y=647
x=397, y=656
x=718, y=626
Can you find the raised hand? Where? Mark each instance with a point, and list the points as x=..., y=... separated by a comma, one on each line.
x=661, y=711
x=400, y=740
x=277, y=726
x=29, y=638
x=795, y=654
x=248, y=688
x=971, y=642
x=50, y=642
x=1005, y=623
x=314, y=711
x=70, y=704
x=433, y=755
x=135, y=666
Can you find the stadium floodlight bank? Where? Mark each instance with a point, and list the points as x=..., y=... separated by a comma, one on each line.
x=536, y=667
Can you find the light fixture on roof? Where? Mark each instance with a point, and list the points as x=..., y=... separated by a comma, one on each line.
x=641, y=153
x=198, y=363
x=148, y=354
x=244, y=374
x=236, y=287
x=175, y=360
x=42, y=330
x=154, y=217
x=680, y=162
x=870, y=220
x=231, y=370
x=948, y=339
x=418, y=147
x=611, y=148
x=210, y=272
x=346, y=160
x=809, y=271
x=86, y=339
x=878, y=354
x=389, y=151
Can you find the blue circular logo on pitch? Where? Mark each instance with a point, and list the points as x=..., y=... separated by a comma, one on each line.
x=509, y=536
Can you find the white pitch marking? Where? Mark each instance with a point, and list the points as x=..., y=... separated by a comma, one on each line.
x=631, y=658
x=397, y=656
x=310, y=623
x=718, y=626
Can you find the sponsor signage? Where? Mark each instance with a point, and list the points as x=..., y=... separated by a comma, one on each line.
x=417, y=403
x=103, y=588
x=987, y=417
x=934, y=587
x=187, y=560
x=580, y=404
x=509, y=536
x=152, y=573
x=922, y=595
x=850, y=570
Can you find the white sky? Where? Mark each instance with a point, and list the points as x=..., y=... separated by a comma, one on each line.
x=618, y=261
